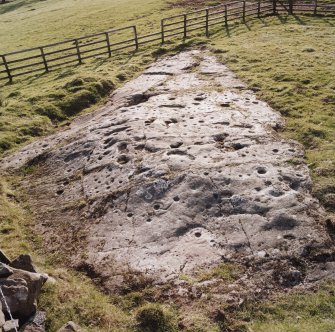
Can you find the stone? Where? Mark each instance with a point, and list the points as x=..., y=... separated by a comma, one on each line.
x=2, y=317
x=35, y=323
x=180, y=170
x=3, y=258
x=288, y=276
x=70, y=327
x=11, y=326
x=21, y=290
x=5, y=271
x=261, y=254
x=23, y=262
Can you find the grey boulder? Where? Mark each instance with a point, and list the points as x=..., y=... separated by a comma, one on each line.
x=35, y=323
x=23, y=262
x=21, y=290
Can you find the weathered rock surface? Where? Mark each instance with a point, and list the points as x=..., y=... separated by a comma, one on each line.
x=10, y=326
x=21, y=291
x=35, y=324
x=2, y=317
x=3, y=258
x=23, y=262
x=183, y=168
x=5, y=271
x=70, y=327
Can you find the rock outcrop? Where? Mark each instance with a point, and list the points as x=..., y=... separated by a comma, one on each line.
x=182, y=169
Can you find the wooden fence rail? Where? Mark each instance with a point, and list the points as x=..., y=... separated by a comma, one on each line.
x=46, y=58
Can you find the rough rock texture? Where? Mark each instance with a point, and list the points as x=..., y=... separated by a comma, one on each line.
x=182, y=169
x=36, y=323
x=23, y=262
x=5, y=271
x=21, y=290
x=10, y=326
x=3, y=258
x=2, y=317
x=70, y=327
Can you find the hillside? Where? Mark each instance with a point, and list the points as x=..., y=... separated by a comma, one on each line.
x=26, y=24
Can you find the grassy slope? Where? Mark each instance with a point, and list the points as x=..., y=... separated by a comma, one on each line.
x=32, y=23
x=307, y=106
x=291, y=62
x=298, y=312
x=29, y=23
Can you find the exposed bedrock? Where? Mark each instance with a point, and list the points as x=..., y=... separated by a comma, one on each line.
x=183, y=168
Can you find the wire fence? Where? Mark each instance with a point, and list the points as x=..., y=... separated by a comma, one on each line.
x=50, y=57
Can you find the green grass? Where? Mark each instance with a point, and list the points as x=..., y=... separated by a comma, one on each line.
x=224, y=272
x=13, y=221
x=25, y=112
x=71, y=296
x=155, y=318
x=30, y=23
x=299, y=312
x=74, y=297
x=34, y=107
x=288, y=61
x=28, y=111
x=25, y=24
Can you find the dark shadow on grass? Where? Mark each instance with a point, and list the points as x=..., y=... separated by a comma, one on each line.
x=298, y=19
x=6, y=83
x=326, y=20
x=247, y=25
x=10, y=6
x=261, y=19
x=282, y=19
x=129, y=55
x=227, y=29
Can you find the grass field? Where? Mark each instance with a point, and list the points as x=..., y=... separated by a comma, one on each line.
x=29, y=23
x=289, y=61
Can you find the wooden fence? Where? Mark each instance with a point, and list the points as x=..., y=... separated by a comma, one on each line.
x=46, y=58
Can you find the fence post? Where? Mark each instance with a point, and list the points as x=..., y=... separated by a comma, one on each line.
x=78, y=51
x=162, y=30
x=7, y=69
x=185, y=26
x=290, y=6
x=225, y=16
x=108, y=45
x=44, y=60
x=259, y=9
x=274, y=6
x=243, y=12
x=207, y=22
x=136, y=37
x=315, y=7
